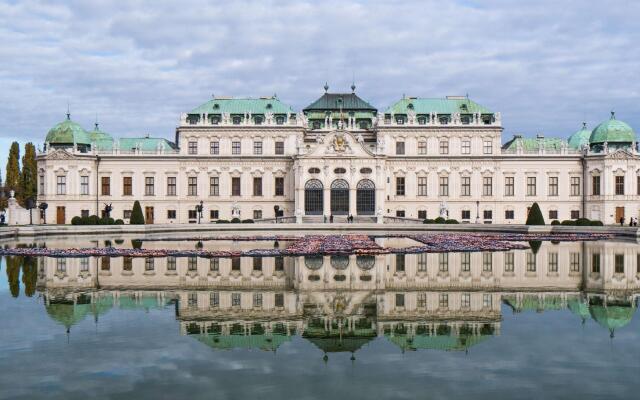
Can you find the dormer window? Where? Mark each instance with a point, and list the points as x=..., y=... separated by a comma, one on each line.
x=216, y=106
x=465, y=120
x=215, y=120
x=316, y=124
x=486, y=119
x=237, y=120
x=422, y=120
x=269, y=106
x=444, y=120
x=410, y=106
x=463, y=107
x=258, y=120
x=279, y=120
x=400, y=120
x=363, y=124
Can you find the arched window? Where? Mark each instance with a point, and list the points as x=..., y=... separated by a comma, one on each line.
x=313, y=262
x=339, y=171
x=366, y=197
x=365, y=262
x=340, y=262
x=313, y=197
x=339, y=197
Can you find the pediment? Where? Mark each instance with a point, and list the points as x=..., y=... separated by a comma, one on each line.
x=622, y=154
x=59, y=154
x=338, y=144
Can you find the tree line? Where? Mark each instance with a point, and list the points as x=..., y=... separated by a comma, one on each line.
x=21, y=175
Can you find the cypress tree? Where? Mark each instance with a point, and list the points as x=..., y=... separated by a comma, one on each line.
x=13, y=168
x=3, y=200
x=137, y=218
x=28, y=181
x=535, y=215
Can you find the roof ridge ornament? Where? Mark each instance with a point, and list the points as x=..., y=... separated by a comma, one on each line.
x=68, y=112
x=613, y=114
x=326, y=87
x=584, y=125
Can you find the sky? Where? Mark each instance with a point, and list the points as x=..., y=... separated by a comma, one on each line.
x=546, y=65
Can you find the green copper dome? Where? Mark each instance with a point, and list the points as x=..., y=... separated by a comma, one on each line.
x=68, y=132
x=580, y=138
x=96, y=134
x=612, y=131
x=612, y=317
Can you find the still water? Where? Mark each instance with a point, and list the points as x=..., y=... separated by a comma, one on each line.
x=557, y=322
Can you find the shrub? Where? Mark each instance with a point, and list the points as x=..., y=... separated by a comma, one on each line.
x=137, y=218
x=118, y=222
x=555, y=222
x=428, y=221
x=596, y=223
x=136, y=243
x=583, y=222
x=451, y=221
x=76, y=220
x=247, y=221
x=222, y=221
x=439, y=220
x=93, y=220
x=535, y=245
x=568, y=222
x=535, y=215
x=235, y=221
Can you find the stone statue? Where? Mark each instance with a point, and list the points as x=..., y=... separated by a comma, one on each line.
x=444, y=212
x=380, y=144
x=360, y=138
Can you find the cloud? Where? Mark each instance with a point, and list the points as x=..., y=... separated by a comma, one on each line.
x=546, y=65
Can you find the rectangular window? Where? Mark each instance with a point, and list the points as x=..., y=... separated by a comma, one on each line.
x=422, y=262
x=466, y=147
x=595, y=263
x=214, y=186
x=235, y=186
x=465, y=188
x=620, y=185
x=61, y=185
x=127, y=186
x=531, y=262
x=257, y=148
x=422, y=147
x=487, y=300
x=84, y=185
x=399, y=148
x=531, y=186
x=444, y=186
x=574, y=262
x=214, y=214
x=553, y=262
x=487, y=214
x=235, y=299
x=279, y=300
x=465, y=262
x=171, y=186
x=422, y=186
x=487, y=147
x=444, y=147
x=509, y=185
x=214, y=148
x=400, y=213
x=257, y=214
x=553, y=186
x=149, y=186
x=487, y=262
x=553, y=214
x=235, y=263
x=279, y=148
x=61, y=265
x=575, y=186
x=509, y=262
x=257, y=186
x=399, y=186
x=192, y=214
x=193, y=147
x=41, y=185
x=214, y=264
x=257, y=263
x=487, y=186
x=619, y=263
x=279, y=263
x=126, y=214
x=171, y=214
x=466, y=214
x=443, y=300
x=422, y=214
x=422, y=300
x=235, y=148
x=465, y=301
x=214, y=299
x=443, y=262
x=192, y=263
x=399, y=299
x=84, y=264
x=257, y=300
x=106, y=185
x=171, y=263
x=279, y=186
x=509, y=214
x=84, y=213
x=149, y=264
x=400, y=263
x=192, y=186
x=575, y=214
x=595, y=185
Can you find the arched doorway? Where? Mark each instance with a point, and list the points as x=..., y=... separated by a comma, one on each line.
x=366, y=197
x=313, y=197
x=340, y=197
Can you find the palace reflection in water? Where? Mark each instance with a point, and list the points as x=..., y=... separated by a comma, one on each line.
x=447, y=301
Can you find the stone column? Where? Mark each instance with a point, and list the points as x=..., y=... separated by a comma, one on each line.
x=352, y=201
x=326, y=201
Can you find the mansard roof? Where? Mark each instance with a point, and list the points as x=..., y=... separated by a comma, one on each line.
x=230, y=105
x=448, y=105
x=549, y=143
x=340, y=101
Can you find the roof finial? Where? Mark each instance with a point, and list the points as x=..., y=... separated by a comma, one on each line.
x=584, y=125
x=353, y=87
x=326, y=87
x=96, y=127
x=275, y=96
x=68, y=111
x=613, y=114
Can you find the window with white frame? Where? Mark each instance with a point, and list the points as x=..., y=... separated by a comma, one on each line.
x=193, y=147
x=575, y=186
x=400, y=148
x=192, y=186
x=531, y=186
x=214, y=148
x=466, y=146
x=422, y=186
x=422, y=147
x=214, y=186
x=465, y=186
x=487, y=147
x=235, y=147
x=487, y=186
x=553, y=186
x=149, y=186
x=257, y=147
x=444, y=146
x=61, y=184
x=84, y=185
x=509, y=185
x=444, y=186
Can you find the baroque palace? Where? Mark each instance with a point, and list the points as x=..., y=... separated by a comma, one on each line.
x=256, y=158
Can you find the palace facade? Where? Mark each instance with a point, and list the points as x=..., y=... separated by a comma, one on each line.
x=420, y=158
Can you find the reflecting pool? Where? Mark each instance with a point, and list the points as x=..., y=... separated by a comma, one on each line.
x=553, y=321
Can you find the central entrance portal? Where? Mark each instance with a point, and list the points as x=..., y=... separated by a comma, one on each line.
x=340, y=197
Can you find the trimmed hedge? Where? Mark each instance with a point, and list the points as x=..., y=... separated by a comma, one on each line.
x=236, y=221
x=439, y=220
x=94, y=220
x=137, y=218
x=596, y=223
x=451, y=221
x=555, y=222
x=247, y=221
x=568, y=222
x=535, y=215
x=222, y=221
x=428, y=221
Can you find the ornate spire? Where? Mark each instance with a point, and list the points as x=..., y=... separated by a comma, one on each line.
x=68, y=111
x=353, y=87
x=584, y=125
x=613, y=114
x=326, y=87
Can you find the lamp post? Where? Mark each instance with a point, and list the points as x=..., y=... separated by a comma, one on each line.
x=43, y=209
x=199, y=210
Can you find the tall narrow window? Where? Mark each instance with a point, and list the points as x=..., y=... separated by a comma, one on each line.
x=553, y=262
x=61, y=184
x=192, y=186
x=619, y=263
x=487, y=147
x=619, y=185
x=487, y=186
x=444, y=146
x=509, y=262
x=279, y=183
x=106, y=185
x=595, y=185
x=193, y=147
x=399, y=186
x=84, y=185
x=214, y=186
x=466, y=147
x=127, y=186
x=509, y=185
x=553, y=186
x=171, y=186
x=422, y=147
x=41, y=185
x=149, y=186
x=444, y=186
x=422, y=262
x=422, y=186
x=257, y=186
x=400, y=148
x=235, y=186
x=531, y=186
x=214, y=148
x=574, y=262
x=235, y=148
x=595, y=263
x=465, y=186
x=279, y=150
x=443, y=262
x=465, y=262
x=487, y=261
x=257, y=148
x=575, y=186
